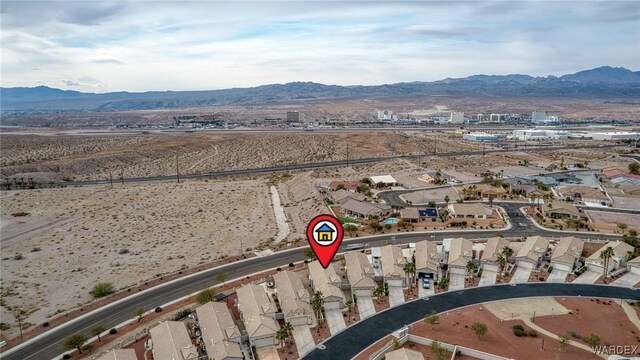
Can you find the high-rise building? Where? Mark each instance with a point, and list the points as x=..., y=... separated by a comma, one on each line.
x=293, y=116
x=538, y=116
x=456, y=117
x=385, y=115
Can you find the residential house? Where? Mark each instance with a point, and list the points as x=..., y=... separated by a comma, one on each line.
x=566, y=255
x=633, y=265
x=258, y=314
x=563, y=210
x=584, y=194
x=359, y=273
x=487, y=191
x=404, y=354
x=459, y=253
x=621, y=253
x=492, y=250
x=427, y=260
x=433, y=176
x=220, y=334
x=537, y=179
x=469, y=211
x=532, y=252
x=365, y=209
x=479, y=171
x=171, y=341
x=294, y=298
x=342, y=196
x=386, y=180
x=527, y=190
x=428, y=214
x=119, y=354
x=393, y=265
x=328, y=282
x=565, y=178
x=410, y=214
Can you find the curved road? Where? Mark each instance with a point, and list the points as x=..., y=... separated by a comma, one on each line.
x=49, y=344
x=358, y=337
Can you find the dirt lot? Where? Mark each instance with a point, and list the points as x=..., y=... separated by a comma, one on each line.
x=122, y=235
x=436, y=195
x=609, y=220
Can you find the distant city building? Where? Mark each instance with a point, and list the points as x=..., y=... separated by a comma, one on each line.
x=540, y=134
x=456, y=117
x=479, y=136
x=495, y=118
x=480, y=117
x=293, y=116
x=538, y=116
x=614, y=135
x=385, y=115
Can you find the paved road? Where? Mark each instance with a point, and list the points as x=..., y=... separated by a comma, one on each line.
x=49, y=345
x=359, y=336
x=306, y=166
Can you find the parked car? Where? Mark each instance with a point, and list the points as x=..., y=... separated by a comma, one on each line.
x=425, y=283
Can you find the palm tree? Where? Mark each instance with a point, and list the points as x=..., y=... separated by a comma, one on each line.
x=288, y=328
x=606, y=256
x=96, y=331
x=410, y=271
x=281, y=335
x=349, y=304
x=507, y=251
x=471, y=266
x=502, y=262
x=317, y=303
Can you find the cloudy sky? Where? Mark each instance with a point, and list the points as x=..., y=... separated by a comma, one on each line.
x=180, y=45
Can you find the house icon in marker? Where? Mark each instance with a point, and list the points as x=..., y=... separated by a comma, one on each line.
x=325, y=233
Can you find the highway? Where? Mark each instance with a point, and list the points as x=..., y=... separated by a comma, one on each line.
x=49, y=345
x=310, y=166
x=358, y=337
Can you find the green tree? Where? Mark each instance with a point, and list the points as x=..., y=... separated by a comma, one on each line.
x=349, y=304
x=395, y=344
x=443, y=282
x=432, y=318
x=74, y=342
x=502, y=262
x=221, y=277
x=632, y=239
x=564, y=340
x=623, y=227
x=351, y=229
x=410, y=271
x=447, y=199
x=471, y=268
x=101, y=290
x=374, y=225
x=606, y=256
x=206, y=295
x=438, y=351
x=308, y=253
x=431, y=204
x=288, y=328
x=281, y=335
x=593, y=341
x=140, y=313
x=96, y=331
x=634, y=168
x=479, y=328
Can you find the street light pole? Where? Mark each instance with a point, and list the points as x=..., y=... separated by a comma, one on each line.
x=19, y=318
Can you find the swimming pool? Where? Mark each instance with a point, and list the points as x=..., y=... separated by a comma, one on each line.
x=390, y=221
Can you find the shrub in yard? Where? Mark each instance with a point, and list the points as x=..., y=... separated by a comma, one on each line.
x=533, y=333
x=158, y=309
x=102, y=290
x=113, y=331
x=518, y=330
x=182, y=314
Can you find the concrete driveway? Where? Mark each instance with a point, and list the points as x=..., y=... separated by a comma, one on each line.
x=456, y=282
x=365, y=306
x=422, y=292
x=488, y=277
x=396, y=296
x=304, y=339
x=557, y=276
x=268, y=353
x=335, y=320
x=521, y=275
x=589, y=277
x=627, y=280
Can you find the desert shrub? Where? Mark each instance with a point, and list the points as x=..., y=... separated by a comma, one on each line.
x=158, y=309
x=102, y=290
x=182, y=314
x=4, y=326
x=45, y=324
x=113, y=331
x=66, y=356
x=533, y=333
x=575, y=334
x=518, y=330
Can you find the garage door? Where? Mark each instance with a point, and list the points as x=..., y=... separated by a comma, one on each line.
x=525, y=264
x=634, y=269
x=265, y=341
x=332, y=304
x=563, y=267
x=362, y=292
x=399, y=283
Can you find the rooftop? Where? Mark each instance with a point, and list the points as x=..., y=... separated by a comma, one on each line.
x=256, y=309
x=493, y=249
x=392, y=261
x=427, y=256
x=359, y=271
x=533, y=248
x=460, y=252
x=294, y=297
x=568, y=250
x=217, y=327
x=171, y=341
x=325, y=280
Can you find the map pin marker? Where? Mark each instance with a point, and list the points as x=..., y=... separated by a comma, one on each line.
x=325, y=235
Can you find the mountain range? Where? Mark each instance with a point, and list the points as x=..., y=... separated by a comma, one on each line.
x=602, y=82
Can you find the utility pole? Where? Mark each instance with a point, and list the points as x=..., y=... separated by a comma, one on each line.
x=111, y=178
x=177, y=169
x=347, y=152
x=19, y=318
x=122, y=176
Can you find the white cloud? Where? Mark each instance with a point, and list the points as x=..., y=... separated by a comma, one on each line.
x=148, y=45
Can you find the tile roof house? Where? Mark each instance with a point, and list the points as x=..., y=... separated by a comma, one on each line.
x=403, y=354
x=393, y=265
x=469, y=210
x=622, y=252
x=427, y=259
x=583, y=193
x=459, y=254
x=119, y=354
x=562, y=210
x=342, y=196
x=633, y=265
x=171, y=341
x=347, y=185
x=258, y=314
x=365, y=209
x=532, y=251
x=294, y=298
x=526, y=190
x=487, y=191
x=359, y=273
x=220, y=334
x=566, y=254
x=493, y=249
x=328, y=282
